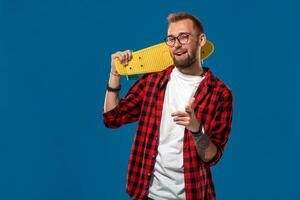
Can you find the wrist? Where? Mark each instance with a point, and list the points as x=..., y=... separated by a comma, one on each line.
x=114, y=73
x=114, y=80
x=199, y=132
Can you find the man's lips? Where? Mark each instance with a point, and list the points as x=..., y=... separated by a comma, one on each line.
x=179, y=53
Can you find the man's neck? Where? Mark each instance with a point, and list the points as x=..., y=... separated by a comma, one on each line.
x=195, y=69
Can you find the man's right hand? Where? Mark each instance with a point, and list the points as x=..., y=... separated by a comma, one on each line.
x=112, y=98
x=123, y=56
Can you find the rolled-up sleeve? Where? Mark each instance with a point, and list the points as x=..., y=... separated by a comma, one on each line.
x=128, y=108
x=221, y=125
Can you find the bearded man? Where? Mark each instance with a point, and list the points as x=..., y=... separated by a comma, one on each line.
x=184, y=116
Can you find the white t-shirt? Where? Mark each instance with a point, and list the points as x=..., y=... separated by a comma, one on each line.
x=168, y=178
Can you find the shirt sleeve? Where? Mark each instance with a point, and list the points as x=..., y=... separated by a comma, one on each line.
x=128, y=109
x=221, y=125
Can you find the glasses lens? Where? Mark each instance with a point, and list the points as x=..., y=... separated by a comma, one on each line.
x=170, y=41
x=183, y=38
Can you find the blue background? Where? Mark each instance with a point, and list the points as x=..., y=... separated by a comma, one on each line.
x=55, y=62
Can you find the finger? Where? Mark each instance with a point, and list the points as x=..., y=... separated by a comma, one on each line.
x=114, y=57
x=184, y=119
x=115, y=54
x=188, y=109
x=179, y=114
x=118, y=56
x=182, y=123
x=121, y=57
x=129, y=55
x=124, y=58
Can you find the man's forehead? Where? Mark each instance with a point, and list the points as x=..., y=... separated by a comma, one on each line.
x=181, y=26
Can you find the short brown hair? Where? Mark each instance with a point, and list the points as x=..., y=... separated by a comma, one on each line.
x=178, y=16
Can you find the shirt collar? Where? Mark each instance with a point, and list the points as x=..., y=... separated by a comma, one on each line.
x=210, y=79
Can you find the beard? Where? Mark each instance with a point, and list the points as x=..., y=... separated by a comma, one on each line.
x=189, y=60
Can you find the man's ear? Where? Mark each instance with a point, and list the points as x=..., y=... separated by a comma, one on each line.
x=202, y=39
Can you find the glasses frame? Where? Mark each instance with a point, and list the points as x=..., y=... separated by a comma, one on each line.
x=178, y=39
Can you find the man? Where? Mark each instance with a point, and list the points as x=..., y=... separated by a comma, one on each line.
x=184, y=116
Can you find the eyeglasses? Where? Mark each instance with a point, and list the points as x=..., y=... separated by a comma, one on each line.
x=183, y=38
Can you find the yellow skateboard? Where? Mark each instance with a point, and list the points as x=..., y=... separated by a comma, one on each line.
x=153, y=59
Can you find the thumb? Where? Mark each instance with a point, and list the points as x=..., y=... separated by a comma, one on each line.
x=190, y=106
x=192, y=103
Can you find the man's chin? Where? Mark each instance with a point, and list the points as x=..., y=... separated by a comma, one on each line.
x=181, y=65
x=184, y=64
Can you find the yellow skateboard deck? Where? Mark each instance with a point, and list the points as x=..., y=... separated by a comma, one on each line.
x=154, y=58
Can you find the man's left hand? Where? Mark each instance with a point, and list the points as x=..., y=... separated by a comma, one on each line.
x=187, y=118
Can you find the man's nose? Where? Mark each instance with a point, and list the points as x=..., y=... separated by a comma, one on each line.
x=177, y=43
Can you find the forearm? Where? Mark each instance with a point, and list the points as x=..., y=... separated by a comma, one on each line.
x=112, y=98
x=205, y=148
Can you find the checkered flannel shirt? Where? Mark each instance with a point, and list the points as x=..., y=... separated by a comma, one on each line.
x=144, y=103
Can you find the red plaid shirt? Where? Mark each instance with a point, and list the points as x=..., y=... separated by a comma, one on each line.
x=144, y=103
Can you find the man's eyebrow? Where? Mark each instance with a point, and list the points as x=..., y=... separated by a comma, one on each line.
x=178, y=34
x=170, y=35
